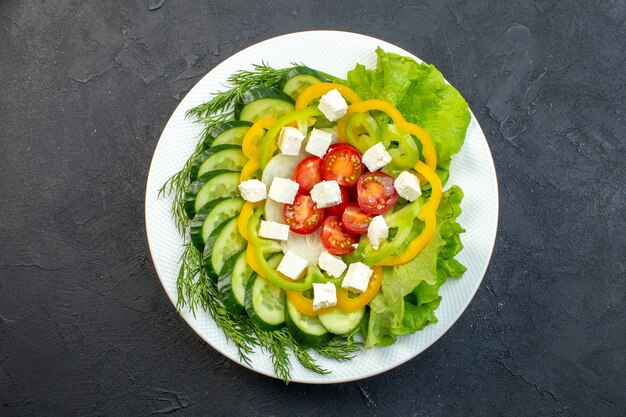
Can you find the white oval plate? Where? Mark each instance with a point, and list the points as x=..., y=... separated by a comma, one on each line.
x=335, y=53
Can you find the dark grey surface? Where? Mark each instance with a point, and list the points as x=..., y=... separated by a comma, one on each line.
x=85, y=327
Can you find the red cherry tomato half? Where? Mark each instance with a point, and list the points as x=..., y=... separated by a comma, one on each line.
x=303, y=216
x=339, y=208
x=335, y=239
x=376, y=193
x=342, y=164
x=355, y=220
x=308, y=173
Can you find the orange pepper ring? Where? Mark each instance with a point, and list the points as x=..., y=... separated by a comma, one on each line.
x=347, y=304
x=305, y=305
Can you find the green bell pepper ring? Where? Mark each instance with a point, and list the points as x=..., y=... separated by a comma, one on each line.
x=406, y=154
x=269, y=273
x=269, y=144
x=362, y=132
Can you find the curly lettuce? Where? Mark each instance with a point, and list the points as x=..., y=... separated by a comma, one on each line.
x=421, y=93
x=410, y=292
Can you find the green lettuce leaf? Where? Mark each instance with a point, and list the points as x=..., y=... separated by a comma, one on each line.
x=422, y=95
x=410, y=292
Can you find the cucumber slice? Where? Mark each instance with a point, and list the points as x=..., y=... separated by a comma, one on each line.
x=222, y=244
x=306, y=329
x=265, y=303
x=211, y=216
x=229, y=157
x=341, y=322
x=298, y=78
x=262, y=102
x=208, y=187
x=231, y=132
x=232, y=282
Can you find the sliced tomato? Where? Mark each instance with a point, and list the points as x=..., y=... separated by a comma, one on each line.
x=342, y=164
x=303, y=216
x=335, y=239
x=355, y=220
x=308, y=173
x=376, y=193
x=339, y=208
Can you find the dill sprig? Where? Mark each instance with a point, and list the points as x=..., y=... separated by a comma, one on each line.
x=241, y=81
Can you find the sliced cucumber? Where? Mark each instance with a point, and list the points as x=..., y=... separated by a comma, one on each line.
x=265, y=303
x=229, y=157
x=222, y=244
x=341, y=322
x=210, y=216
x=208, y=187
x=298, y=78
x=304, y=328
x=262, y=102
x=231, y=133
x=232, y=282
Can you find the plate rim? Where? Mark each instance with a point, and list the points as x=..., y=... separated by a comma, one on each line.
x=386, y=368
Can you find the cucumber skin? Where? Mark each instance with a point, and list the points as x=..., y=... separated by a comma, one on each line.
x=259, y=93
x=193, y=189
x=331, y=328
x=301, y=70
x=214, y=132
x=299, y=335
x=208, y=249
x=225, y=289
x=250, y=308
x=197, y=223
x=195, y=167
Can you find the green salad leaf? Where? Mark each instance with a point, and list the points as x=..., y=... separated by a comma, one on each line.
x=410, y=292
x=422, y=95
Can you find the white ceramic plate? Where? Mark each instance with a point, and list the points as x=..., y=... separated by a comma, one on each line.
x=335, y=53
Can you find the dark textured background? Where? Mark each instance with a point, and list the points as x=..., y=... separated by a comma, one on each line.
x=85, y=327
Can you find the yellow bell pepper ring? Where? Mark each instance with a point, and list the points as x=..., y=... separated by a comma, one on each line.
x=244, y=218
x=305, y=305
x=428, y=148
x=428, y=213
x=250, y=144
x=314, y=91
x=249, y=169
x=347, y=304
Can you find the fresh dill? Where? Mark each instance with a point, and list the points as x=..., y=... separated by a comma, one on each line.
x=241, y=81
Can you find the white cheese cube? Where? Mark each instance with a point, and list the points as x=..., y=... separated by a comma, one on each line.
x=292, y=265
x=376, y=157
x=332, y=264
x=408, y=186
x=357, y=278
x=318, y=142
x=274, y=230
x=324, y=295
x=332, y=105
x=283, y=190
x=377, y=231
x=326, y=194
x=253, y=190
x=290, y=140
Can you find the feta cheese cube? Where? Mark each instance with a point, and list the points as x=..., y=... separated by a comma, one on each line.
x=318, y=142
x=377, y=231
x=324, y=295
x=332, y=105
x=376, y=157
x=292, y=265
x=290, y=140
x=332, y=264
x=326, y=194
x=408, y=186
x=283, y=190
x=274, y=230
x=253, y=190
x=357, y=278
